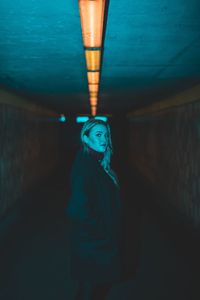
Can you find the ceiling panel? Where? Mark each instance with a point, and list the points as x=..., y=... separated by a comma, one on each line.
x=151, y=49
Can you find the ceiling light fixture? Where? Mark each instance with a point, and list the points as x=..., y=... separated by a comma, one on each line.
x=101, y=118
x=81, y=119
x=92, y=19
x=93, y=101
x=93, y=59
x=93, y=77
x=93, y=88
x=93, y=94
x=93, y=110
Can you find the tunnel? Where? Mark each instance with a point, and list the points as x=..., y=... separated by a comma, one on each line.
x=141, y=75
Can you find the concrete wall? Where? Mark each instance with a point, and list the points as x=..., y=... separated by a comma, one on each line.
x=29, y=145
x=165, y=148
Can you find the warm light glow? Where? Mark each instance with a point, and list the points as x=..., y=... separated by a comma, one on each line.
x=93, y=77
x=93, y=101
x=93, y=88
x=93, y=110
x=93, y=94
x=92, y=18
x=93, y=59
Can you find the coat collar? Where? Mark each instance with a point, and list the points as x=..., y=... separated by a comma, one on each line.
x=95, y=154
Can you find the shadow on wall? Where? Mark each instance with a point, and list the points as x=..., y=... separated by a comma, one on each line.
x=29, y=152
x=165, y=150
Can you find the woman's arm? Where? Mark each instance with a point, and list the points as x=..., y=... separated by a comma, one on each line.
x=78, y=207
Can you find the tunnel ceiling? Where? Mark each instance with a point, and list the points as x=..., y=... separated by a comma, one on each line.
x=151, y=50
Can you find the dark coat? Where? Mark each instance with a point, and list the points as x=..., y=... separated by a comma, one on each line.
x=94, y=211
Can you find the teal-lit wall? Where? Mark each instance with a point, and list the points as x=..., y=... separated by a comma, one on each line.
x=29, y=150
x=165, y=148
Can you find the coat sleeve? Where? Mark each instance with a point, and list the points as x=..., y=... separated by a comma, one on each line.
x=78, y=208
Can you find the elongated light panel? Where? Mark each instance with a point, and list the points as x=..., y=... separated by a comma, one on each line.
x=81, y=119
x=93, y=94
x=93, y=59
x=93, y=87
x=93, y=77
x=93, y=110
x=92, y=19
x=101, y=118
x=93, y=101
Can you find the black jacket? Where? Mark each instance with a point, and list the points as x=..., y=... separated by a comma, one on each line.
x=94, y=211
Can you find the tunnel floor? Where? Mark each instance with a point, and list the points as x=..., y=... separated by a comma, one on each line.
x=35, y=261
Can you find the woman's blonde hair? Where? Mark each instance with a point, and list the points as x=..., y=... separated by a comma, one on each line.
x=105, y=162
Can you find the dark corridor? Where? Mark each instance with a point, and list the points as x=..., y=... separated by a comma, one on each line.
x=136, y=63
x=162, y=253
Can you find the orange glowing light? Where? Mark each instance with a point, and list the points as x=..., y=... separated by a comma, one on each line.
x=93, y=94
x=93, y=101
x=93, y=110
x=93, y=77
x=93, y=59
x=93, y=88
x=92, y=19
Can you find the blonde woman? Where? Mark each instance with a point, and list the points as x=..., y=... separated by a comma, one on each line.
x=94, y=211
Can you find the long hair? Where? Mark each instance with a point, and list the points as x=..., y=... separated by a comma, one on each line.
x=105, y=162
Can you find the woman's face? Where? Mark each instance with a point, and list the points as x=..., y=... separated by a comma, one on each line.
x=97, y=138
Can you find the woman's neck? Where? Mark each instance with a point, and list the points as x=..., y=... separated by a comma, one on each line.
x=96, y=154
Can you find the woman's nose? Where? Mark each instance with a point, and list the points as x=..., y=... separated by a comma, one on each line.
x=104, y=140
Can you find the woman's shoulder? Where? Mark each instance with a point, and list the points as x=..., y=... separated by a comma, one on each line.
x=83, y=168
x=82, y=157
x=83, y=161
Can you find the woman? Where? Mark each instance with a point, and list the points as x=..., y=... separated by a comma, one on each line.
x=94, y=211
